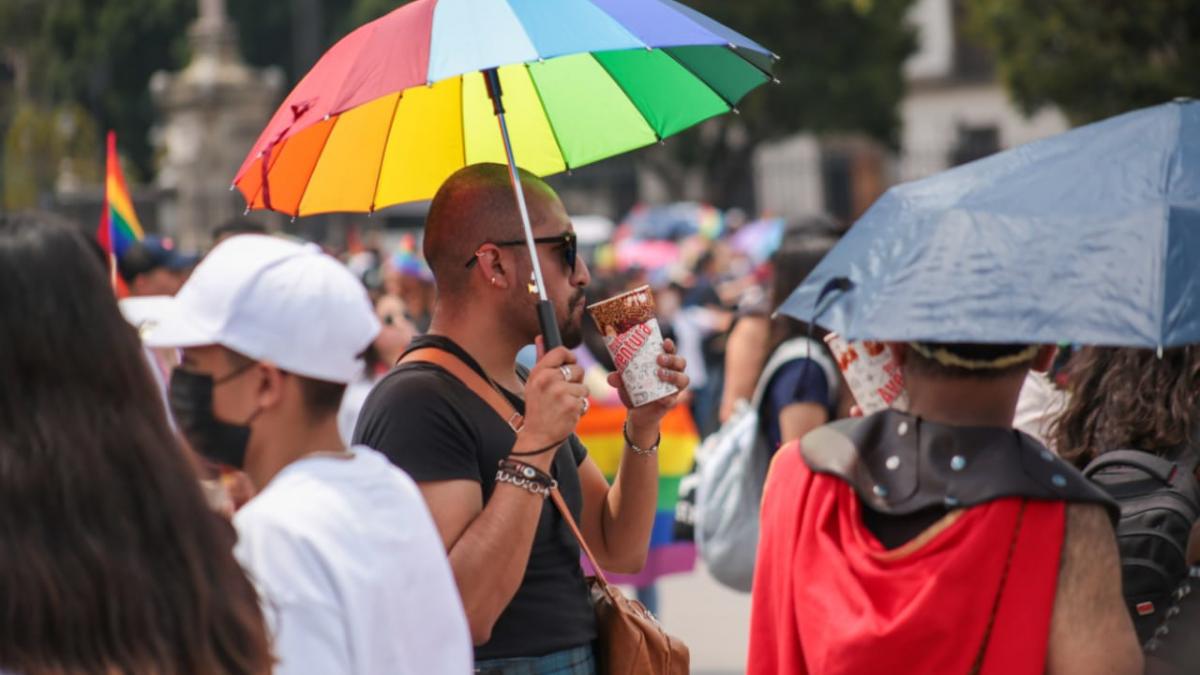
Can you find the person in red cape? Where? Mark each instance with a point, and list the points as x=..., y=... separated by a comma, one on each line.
x=938, y=540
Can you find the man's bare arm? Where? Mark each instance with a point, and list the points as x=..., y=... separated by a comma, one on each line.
x=1091, y=632
x=618, y=520
x=488, y=547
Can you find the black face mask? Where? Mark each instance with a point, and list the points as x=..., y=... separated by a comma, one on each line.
x=191, y=399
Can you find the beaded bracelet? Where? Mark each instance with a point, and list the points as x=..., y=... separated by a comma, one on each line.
x=525, y=476
x=534, y=486
x=632, y=446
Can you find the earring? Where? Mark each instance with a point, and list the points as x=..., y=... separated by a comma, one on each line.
x=493, y=281
x=532, y=284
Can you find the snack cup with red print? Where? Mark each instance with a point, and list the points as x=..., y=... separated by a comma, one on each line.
x=871, y=372
x=634, y=341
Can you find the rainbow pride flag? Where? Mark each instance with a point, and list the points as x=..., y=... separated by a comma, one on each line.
x=600, y=430
x=119, y=225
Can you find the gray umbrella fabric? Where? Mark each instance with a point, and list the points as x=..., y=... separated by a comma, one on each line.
x=1088, y=237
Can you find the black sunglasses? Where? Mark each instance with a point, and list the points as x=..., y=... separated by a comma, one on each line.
x=570, y=247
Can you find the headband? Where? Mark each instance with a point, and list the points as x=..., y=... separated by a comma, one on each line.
x=947, y=358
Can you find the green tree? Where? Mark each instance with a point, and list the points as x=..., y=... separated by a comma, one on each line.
x=1092, y=58
x=93, y=53
x=294, y=33
x=40, y=144
x=840, y=70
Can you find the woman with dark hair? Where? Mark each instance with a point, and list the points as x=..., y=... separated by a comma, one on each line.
x=802, y=390
x=1130, y=398
x=110, y=561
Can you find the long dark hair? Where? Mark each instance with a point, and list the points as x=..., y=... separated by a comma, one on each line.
x=1129, y=398
x=110, y=559
x=794, y=261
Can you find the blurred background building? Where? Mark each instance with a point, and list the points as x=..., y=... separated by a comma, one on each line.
x=957, y=109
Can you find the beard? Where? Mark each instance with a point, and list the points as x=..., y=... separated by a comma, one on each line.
x=570, y=326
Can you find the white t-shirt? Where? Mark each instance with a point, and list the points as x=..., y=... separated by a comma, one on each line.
x=352, y=403
x=351, y=571
x=1038, y=406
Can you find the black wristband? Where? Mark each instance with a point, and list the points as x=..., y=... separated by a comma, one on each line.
x=539, y=451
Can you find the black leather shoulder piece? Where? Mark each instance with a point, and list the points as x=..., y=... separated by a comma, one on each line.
x=899, y=464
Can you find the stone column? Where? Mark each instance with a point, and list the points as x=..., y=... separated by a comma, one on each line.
x=210, y=114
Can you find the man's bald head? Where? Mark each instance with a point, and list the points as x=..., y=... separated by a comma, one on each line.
x=474, y=205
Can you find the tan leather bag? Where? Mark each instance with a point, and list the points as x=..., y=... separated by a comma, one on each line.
x=630, y=640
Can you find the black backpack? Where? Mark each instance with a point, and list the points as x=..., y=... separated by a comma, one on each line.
x=1160, y=501
x=1174, y=649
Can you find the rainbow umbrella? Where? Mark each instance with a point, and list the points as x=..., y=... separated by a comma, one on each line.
x=395, y=107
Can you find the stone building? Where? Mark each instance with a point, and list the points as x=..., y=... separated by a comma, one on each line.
x=956, y=109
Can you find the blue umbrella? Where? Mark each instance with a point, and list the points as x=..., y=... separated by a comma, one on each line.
x=1090, y=237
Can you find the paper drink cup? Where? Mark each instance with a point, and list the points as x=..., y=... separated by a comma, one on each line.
x=872, y=373
x=634, y=341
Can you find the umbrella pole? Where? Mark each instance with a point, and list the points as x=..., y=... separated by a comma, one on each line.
x=545, y=308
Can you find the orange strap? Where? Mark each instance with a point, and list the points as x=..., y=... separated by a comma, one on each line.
x=465, y=374
x=502, y=407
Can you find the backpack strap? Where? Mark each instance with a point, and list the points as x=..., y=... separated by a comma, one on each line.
x=790, y=350
x=1158, y=467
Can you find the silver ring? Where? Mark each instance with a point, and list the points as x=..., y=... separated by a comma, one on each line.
x=585, y=405
x=566, y=372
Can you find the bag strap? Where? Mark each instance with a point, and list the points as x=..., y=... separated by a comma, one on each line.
x=465, y=374
x=566, y=514
x=502, y=407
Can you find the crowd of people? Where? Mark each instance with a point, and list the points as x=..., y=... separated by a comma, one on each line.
x=269, y=460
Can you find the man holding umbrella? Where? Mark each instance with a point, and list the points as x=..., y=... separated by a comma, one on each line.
x=485, y=478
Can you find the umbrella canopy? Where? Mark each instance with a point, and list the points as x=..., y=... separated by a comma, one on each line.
x=399, y=104
x=758, y=239
x=674, y=221
x=647, y=254
x=1091, y=237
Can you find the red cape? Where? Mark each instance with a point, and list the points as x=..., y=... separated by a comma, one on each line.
x=829, y=599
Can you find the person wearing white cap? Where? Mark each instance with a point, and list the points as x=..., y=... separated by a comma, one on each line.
x=339, y=542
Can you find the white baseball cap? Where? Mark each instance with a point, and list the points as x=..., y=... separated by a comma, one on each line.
x=272, y=300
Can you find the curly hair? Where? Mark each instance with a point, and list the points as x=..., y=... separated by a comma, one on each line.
x=1129, y=398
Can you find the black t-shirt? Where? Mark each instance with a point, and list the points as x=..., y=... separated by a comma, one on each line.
x=435, y=428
